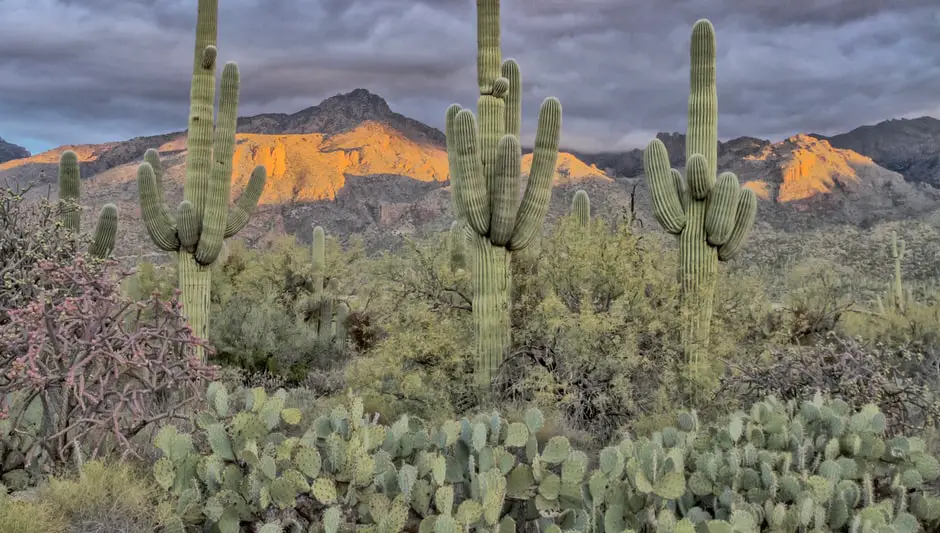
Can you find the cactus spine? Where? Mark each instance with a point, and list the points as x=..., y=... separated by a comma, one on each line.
x=897, y=254
x=581, y=208
x=711, y=217
x=204, y=219
x=70, y=185
x=486, y=184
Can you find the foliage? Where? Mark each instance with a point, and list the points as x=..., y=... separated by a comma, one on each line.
x=101, y=498
x=601, y=327
x=595, y=326
x=423, y=362
x=105, y=498
x=898, y=380
x=30, y=233
x=259, y=299
x=19, y=516
x=80, y=367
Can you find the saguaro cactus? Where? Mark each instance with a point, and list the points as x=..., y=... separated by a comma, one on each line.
x=897, y=287
x=70, y=186
x=711, y=217
x=320, y=305
x=203, y=220
x=487, y=179
x=581, y=207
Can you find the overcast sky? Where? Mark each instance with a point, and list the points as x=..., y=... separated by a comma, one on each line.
x=82, y=71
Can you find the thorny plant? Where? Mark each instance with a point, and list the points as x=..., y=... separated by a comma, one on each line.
x=102, y=366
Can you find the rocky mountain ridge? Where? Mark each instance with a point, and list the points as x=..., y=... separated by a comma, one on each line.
x=10, y=151
x=353, y=165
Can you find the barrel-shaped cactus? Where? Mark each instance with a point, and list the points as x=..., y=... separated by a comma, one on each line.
x=204, y=219
x=70, y=187
x=711, y=215
x=485, y=162
x=581, y=207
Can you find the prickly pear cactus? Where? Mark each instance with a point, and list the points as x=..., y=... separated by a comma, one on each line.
x=70, y=184
x=711, y=215
x=782, y=467
x=486, y=169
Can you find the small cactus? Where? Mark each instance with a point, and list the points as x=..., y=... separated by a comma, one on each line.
x=322, y=302
x=581, y=208
x=70, y=182
x=897, y=286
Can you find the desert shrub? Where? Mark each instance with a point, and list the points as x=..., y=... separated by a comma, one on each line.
x=80, y=367
x=900, y=381
x=915, y=328
x=597, y=329
x=259, y=321
x=26, y=516
x=105, y=498
x=422, y=362
x=149, y=277
x=818, y=294
x=30, y=233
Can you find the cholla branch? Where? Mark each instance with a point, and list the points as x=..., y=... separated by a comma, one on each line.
x=102, y=366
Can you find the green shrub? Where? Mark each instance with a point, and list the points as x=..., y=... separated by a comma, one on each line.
x=25, y=516
x=598, y=329
x=259, y=322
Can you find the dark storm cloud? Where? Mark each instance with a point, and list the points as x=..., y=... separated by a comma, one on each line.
x=74, y=71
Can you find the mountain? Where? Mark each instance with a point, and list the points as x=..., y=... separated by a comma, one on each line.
x=908, y=146
x=804, y=181
x=350, y=164
x=10, y=151
x=353, y=165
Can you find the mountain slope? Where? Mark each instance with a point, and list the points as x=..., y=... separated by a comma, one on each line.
x=908, y=146
x=10, y=151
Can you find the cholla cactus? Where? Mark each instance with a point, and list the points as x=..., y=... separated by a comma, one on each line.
x=581, y=207
x=197, y=230
x=486, y=168
x=70, y=184
x=712, y=217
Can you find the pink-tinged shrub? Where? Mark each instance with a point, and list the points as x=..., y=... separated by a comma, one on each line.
x=81, y=363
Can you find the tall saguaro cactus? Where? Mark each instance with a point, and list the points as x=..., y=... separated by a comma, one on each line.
x=581, y=207
x=203, y=220
x=487, y=179
x=70, y=186
x=711, y=216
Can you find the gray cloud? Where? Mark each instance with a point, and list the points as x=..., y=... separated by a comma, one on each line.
x=77, y=71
